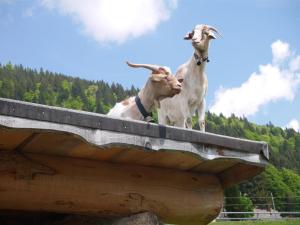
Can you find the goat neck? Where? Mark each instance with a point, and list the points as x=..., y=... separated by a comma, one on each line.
x=147, y=96
x=200, y=58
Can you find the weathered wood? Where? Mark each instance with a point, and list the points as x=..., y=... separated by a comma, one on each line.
x=74, y=162
x=97, y=121
x=44, y=218
x=105, y=189
x=145, y=218
x=78, y=142
x=21, y=167
x=139, y=219
x=237, y=174
x=10, y=139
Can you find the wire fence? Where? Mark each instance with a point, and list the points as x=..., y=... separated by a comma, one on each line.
x=264, y=208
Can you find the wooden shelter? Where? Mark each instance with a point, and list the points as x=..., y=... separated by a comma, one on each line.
x=66, y=161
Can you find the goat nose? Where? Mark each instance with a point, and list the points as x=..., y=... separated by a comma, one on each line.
x=178, y=85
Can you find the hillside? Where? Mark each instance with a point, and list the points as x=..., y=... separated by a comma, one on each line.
x=55, y=89
x=281, y=178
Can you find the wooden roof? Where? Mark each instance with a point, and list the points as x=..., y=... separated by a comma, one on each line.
x=34, y=128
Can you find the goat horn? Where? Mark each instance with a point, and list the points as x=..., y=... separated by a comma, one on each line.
x=154, y=68
x=215, y=30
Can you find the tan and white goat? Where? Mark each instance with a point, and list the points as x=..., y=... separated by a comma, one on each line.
x=160, y=85
x=178, y=111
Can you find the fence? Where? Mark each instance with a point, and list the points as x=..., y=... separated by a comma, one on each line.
x=265, y=208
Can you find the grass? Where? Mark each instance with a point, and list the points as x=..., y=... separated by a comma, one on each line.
x=266, y=222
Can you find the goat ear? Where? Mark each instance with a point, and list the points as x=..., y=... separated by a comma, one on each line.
x=162, y=70
x=211, y=35
x=189, y=35
x=157, y=77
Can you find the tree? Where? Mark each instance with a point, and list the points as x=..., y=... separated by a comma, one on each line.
x=235, y=202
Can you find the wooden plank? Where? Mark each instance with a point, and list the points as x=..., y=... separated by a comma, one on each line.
x=9, y=217
x=63, y=144
x=179, y=160
x=109, y=189
x=38, y=112
x=238, y=173
x=11, y=139
x=214, y=166
x=129, y=155
x=54, y=143
x=201, y=159
x=84, y=150
x=68, y=145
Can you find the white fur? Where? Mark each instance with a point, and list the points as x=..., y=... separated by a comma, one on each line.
x=128, y=111
x=120, y=108
x=160, y=85
x=178, y=111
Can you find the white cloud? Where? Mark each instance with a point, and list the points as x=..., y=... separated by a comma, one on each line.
x=114, y=20
x=272, y=83
x=294, y=124
x=280, y=51
x=295, y=64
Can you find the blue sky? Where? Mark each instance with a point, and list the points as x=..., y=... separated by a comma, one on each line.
x=253, y=70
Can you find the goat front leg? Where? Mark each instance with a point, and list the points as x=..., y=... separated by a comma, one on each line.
x=180, y=122
x=189, y=123
x=201, y=115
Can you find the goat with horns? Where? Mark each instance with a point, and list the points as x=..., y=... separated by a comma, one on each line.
x=160, y=85
x=178, y=111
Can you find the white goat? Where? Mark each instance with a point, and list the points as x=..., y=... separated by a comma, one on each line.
x=160, y=85
x=178, y=111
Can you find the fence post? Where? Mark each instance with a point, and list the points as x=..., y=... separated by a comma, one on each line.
x=273, y=203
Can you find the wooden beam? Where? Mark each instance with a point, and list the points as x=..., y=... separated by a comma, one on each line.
x=44, y=218
x=89, y=187
x=19, y=109
x=238, y=173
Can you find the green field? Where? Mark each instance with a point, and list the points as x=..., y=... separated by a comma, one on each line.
x=280, y=222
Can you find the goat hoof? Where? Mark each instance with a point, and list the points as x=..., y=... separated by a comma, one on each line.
x=202, y=125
